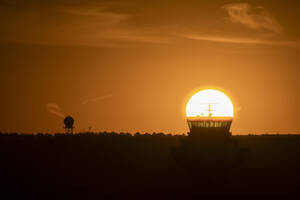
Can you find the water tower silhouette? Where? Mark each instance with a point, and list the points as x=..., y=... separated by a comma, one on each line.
x=209, y=113
x=69, y=122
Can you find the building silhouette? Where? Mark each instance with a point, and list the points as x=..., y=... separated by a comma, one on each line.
x=209, y=125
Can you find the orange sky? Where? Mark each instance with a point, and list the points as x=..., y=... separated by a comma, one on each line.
x=129, y=66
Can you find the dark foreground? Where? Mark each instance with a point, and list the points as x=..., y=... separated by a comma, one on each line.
x=120, y=166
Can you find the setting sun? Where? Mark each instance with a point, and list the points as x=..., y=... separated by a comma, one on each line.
x=209, y=103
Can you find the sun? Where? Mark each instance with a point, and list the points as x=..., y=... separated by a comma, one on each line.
x=209, y=103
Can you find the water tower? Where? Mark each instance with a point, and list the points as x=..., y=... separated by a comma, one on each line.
x=209, y=113
x=69, y=122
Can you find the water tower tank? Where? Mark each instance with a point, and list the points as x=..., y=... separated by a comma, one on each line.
x=69, y=122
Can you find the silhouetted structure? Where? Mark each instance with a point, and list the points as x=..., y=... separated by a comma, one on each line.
x=69, y=122
x=209, y=153
x=209, y=125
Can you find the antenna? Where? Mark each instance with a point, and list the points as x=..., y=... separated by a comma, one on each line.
x=209, y=108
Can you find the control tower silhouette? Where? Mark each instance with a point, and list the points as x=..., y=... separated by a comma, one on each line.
x=209, y=125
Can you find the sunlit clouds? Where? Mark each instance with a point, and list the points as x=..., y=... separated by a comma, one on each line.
x=116, y=25
x=100, y=27
x=78, y=24
x=235, y=40
x=257, y=18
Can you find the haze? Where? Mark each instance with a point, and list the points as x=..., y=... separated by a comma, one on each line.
x=129, y=66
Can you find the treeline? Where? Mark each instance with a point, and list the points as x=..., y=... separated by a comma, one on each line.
x=147, y=166
x=90, y=134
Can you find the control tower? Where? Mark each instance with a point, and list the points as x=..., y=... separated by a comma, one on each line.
x=209, y=112
x=212, y=125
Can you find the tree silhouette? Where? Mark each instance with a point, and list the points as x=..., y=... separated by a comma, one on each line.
x=147, y=166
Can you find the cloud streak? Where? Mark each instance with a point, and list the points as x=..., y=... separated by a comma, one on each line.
x=235, y=40
x=54, y=109
x=96, y=24
x=257, y=18
x=113, y=25
x=97, y=99
x=254, y=18
x=106, y=17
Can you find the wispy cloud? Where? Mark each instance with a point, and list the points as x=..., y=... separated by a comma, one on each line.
x=106, y=17
x=98, y=27
x=97, y=99
x=257, y=18
x=222, y=39
x=99, y=24
x=116, y=25
x=54, y=109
